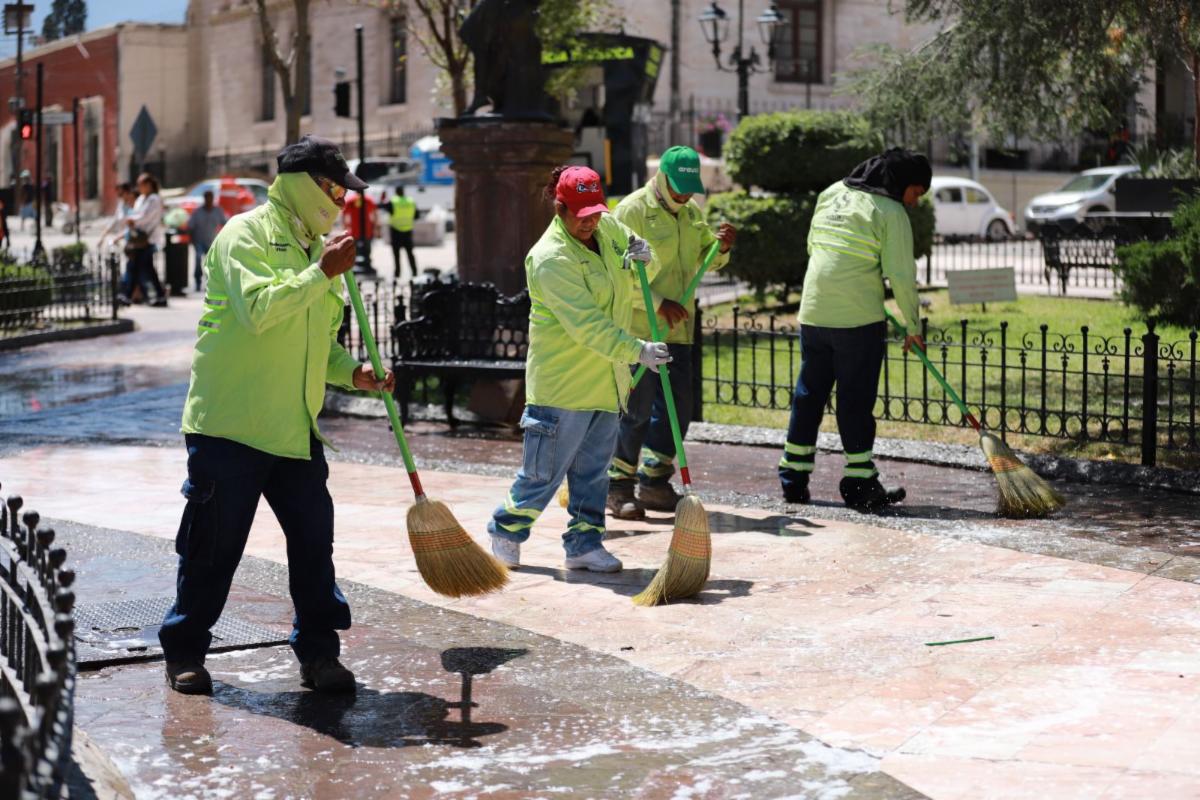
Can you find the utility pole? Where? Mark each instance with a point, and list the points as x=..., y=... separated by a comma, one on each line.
x=676, y=132
x=37, y=175
x=75, y=158
x=363, y=266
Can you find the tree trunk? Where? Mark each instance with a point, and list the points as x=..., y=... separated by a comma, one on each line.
x=458, y=84
x=1196, y=100
x=301, y=72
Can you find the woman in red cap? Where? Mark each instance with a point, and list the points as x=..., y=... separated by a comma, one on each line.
x=577, y=371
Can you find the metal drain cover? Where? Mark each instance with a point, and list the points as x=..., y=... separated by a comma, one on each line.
x=127, y=631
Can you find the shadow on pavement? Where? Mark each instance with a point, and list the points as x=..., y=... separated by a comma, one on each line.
x=776, y=525
x=629, y=582
x=370, y=718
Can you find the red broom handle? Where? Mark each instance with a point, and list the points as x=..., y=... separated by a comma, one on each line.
x=364, y=329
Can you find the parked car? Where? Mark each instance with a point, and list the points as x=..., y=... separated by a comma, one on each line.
x=1089, y=192
x=964, y=209
x=233, y=195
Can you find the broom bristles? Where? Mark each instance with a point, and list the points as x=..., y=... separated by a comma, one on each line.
x=564, y=495
x=449, y=560
x=688, y=558
x=1023, y=493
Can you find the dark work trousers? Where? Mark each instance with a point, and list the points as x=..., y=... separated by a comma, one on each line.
x=645, y=446
x=403, y=240
x=225, y=481
x=851, y=358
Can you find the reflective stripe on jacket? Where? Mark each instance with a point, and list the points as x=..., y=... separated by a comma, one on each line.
x=856, y=240
x=265, y=345
x=679, y=243
x=581, y=303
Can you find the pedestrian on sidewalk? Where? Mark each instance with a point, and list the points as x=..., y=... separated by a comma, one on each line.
x=28, y=199
x=266, y=347
x=577, y=369
x=145, y=231
x=860, y=236
x=663, y=213
x=202, y=228
x=402, y=214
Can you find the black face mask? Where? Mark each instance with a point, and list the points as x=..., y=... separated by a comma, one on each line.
x=891, y=173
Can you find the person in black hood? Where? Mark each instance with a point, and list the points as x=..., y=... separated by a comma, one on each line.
x=895, y=174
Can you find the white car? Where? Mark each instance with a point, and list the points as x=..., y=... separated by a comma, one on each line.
x=964, y=209
x=1089, y=192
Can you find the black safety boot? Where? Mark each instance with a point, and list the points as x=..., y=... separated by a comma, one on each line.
x=867, y=495
x=621, y=502
x=188, y=677
x=326, y=675
x=659, y=496
x=796, y=491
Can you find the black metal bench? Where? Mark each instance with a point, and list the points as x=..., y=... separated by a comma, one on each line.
x=460, y=331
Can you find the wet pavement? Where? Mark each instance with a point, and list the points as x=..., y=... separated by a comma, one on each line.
x=447, y=705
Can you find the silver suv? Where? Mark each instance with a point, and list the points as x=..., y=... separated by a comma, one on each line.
x=1089, y=192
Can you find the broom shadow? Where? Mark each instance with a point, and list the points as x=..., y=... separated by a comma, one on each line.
x=629, y=582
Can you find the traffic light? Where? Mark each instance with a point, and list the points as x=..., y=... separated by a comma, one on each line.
x=25, y=123
x=341, y=98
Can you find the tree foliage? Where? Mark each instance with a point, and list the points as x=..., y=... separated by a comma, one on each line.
x=1025, y=66
x=66, y=18
x=1162, y=279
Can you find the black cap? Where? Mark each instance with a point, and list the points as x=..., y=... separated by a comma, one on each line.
x=319, y=156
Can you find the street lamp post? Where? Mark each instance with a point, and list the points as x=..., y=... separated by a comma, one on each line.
x=715, y=24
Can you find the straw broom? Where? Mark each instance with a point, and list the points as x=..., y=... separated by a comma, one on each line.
x=448, y=559
x=688, y=558
x=1023, y=493
x=564, y=494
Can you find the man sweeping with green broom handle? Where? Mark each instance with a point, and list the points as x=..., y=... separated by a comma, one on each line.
x=663, y=213
x=860, y=235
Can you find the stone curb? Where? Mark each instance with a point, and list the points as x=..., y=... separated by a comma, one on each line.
x=67, y=334
x=936, y=454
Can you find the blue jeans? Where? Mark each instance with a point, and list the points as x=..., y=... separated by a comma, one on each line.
x=559, y=443
x=198, y=272
x=225, y=481
x=645, y=446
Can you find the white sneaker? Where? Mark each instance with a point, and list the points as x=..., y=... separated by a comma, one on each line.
x=507, y=551
x=598, y=560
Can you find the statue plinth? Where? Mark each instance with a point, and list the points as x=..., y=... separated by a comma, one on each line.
x=500, y=170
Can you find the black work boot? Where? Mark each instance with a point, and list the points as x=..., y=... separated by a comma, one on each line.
x=659, y=496
x=326, y=675
x=867, y=495
x=796, y=490
x=621, y=502
x=188, y=677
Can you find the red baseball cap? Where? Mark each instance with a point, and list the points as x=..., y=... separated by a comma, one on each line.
x=579, y=190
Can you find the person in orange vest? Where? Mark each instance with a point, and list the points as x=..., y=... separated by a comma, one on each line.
x=350, y=215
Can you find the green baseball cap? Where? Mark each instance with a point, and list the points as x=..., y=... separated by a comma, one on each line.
x=682, y=166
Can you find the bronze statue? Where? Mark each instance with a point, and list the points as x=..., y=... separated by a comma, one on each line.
x=502, y=36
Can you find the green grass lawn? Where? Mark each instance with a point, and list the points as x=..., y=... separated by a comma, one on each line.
x=1062, y=390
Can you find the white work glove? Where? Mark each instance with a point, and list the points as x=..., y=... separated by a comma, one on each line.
x=639, y=250
x=653, y=354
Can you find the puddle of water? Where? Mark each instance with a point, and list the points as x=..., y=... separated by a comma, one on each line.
x=34, y=390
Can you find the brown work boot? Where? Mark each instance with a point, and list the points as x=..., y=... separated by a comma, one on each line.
x=326, y=675
x=188, y=677
x=659, y=496
x=621, y=502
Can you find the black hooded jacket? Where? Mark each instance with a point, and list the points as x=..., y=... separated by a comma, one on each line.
x=891, y=173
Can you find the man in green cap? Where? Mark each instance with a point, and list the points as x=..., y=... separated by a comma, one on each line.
x=663, y=213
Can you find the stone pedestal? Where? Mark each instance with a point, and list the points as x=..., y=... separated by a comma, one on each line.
x=500, y=169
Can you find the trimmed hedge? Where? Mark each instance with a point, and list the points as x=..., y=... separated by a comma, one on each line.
x=24, y=292
x=1162, y=279
x=772, y=232
x=799, y=151
x=923, y=224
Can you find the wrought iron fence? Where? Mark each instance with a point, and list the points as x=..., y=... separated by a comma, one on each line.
x=43, y=294
x=1131, y=389
x=37, y=658
x=1066, y=263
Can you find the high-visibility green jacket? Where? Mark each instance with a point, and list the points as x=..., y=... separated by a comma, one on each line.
x=581, y=304
x=402, y=213
x=856, y=240
x=266, y=343
x=679, y=243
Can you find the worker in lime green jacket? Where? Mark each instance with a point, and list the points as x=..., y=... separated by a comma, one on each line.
x=265, y=349
x=577, y=369
x=664, y=213
x=859, y=237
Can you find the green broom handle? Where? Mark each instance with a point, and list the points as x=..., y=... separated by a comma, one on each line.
x=687, y=294
x=937, y=375
x=364, y=329
x=684, y=474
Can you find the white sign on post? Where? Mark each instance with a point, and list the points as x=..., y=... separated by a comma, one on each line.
x=57, y=118
x=998, y=285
